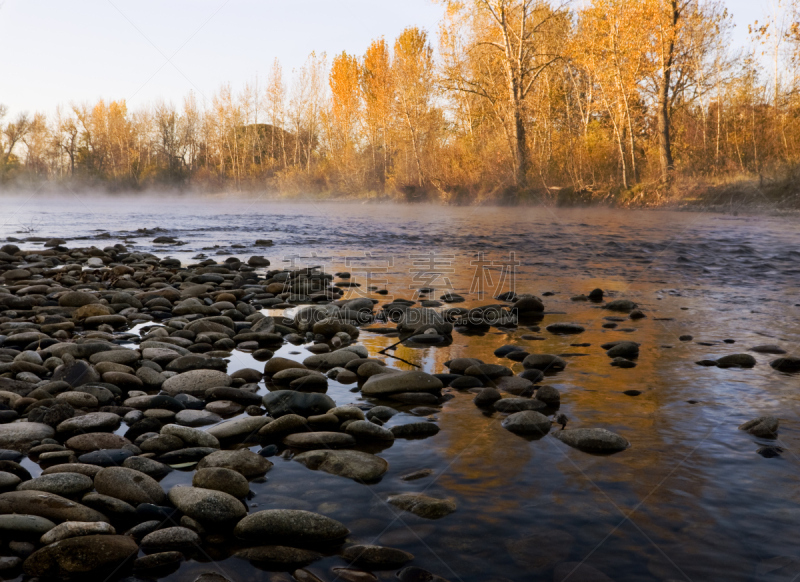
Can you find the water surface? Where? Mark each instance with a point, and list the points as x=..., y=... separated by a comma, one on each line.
x=690, y=500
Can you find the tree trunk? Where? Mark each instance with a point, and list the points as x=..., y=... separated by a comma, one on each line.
x=664, y=143
x=520, y=150
x=664, y=140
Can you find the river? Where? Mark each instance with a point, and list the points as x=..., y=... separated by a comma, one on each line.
x=691, y=499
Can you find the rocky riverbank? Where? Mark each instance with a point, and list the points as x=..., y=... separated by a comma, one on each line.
x=114, y=373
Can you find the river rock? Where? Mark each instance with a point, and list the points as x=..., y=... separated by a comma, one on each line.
x=92, y=422
x=376, y=557
x=593, y=440
x=76, y=299
x=764, y=427
x=106, y=457
x=109, y=506
x=415, y=430
x=284, y=425
x=129, y=485
x=78, y=555
x=64, y=484
x=195, y=418
x=290, y=526
x=277, y=364
x=8, y=480
x=544, y=362
x=73, y=529
x=279, y=557
x=196, y=382
x=160, y=561
x=207, y=505
x=193, y=437
x=170, y=538
x=330, y=360
x=17, y=525
x=282, y=402
x=78, y=399
x=47, y=505
x=354, y=465
x=423, y=505
x=221, y=479
x=399, y=382
x=565, y=328
x=518, y=405
x=123, y=356
x=787, y=364
x=623, y=305
x=94, y=441
x=239, y=428
x=622, y=349
x=84, y=469
x=18, y=436
x=527, y=305
x=527, y=422
x=149, y=467
x=514, y=385
x=364, y=430
x=319, y=440
x=736, y=361
x=486, y=397
x=382, y=413
x=242, y=461
x=460, y=365
x=549, y=395
x=76, y=373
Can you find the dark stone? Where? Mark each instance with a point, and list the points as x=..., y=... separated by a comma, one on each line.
x=106, y=457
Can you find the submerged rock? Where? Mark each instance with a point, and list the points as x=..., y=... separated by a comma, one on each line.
x=376, y=557
x=207, y=505
x=764, y=427
x=544, y=362
x=354, y=465
x=279, y=557
x=786, y=364
x=423, y=505
x=81, y=555
x=72, y=529
x=400, y=382
x=593, y=440
x=736, y=361
x=47, y=505
x=527, y=422
x=290, y=526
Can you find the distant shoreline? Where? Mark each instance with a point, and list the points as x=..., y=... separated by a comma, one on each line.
x=739, y=197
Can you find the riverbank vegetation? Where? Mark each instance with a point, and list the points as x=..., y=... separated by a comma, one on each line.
x=636, y=102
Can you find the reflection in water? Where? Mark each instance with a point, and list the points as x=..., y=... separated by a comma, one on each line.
x=690, y=500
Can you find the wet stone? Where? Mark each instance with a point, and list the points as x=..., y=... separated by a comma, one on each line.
x=290, y=526
x=423, y=505
x=376, y=557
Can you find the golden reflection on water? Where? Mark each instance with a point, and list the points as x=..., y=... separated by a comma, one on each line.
x=665, y=482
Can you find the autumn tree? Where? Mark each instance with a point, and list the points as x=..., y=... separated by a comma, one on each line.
x=413, y=73
x=12, y=133
x=377, y=91
x=276, y=110
x=609, y=45
x=514, y=42
x=344, y=111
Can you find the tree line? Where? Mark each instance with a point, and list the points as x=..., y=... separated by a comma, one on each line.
x=616, y=99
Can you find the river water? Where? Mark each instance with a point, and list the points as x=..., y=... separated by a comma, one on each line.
x=690, y=500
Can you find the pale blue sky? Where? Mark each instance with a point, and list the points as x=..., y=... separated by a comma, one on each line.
x=56, y=52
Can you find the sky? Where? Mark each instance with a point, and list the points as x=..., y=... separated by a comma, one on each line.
x=58, y=52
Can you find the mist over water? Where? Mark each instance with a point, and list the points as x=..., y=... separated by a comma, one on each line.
x=691, y=499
